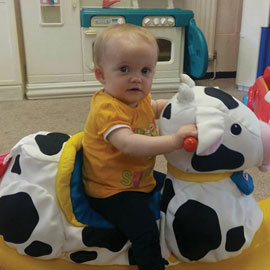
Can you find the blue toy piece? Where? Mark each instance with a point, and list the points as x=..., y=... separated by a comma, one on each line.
x=245, y=99
x=243, y=181
x=196, y=51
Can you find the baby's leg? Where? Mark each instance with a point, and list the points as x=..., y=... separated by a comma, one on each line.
x=130, y=213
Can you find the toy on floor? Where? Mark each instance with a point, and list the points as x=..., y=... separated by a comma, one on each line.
x=258, y=97
x=206, y=212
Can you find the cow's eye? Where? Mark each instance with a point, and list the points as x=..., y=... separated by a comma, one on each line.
x=236, y=129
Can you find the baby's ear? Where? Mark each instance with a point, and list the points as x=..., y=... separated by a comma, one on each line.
x=99, y=75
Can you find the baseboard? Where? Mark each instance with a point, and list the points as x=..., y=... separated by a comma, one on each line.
x=73, y=89
x=219, y=75
x=11, y=92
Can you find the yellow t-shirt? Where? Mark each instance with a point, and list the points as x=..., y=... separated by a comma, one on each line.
x=107, y=170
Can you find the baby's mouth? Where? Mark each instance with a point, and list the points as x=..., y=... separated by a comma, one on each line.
x=134, y=89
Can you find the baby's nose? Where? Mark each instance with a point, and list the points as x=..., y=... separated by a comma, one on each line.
x=136, y=78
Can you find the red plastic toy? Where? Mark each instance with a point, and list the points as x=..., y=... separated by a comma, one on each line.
x=3, y=166
x=190, y=144
x=256, y=97
x=108, y=3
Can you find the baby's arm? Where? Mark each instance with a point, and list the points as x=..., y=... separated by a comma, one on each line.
x=158, y=106
x=141, y=145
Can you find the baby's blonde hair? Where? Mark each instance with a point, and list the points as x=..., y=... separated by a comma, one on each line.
x=128, y=31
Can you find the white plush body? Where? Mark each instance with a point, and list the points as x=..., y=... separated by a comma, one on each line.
x=232, y=208
x=215, y=219
x=32, y=220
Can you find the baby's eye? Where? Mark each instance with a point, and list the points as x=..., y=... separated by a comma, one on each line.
x=145, y=70
x=124, y=69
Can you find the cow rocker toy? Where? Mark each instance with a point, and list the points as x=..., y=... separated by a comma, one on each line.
x=204, y=207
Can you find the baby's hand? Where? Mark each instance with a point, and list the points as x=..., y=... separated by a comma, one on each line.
x=182, y=133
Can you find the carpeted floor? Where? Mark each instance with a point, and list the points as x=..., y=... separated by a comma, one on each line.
x=21, y=118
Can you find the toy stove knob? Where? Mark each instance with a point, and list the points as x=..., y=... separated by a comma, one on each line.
x=163, y=21
x=147, y=21
x=156, y=21
x=171, y=21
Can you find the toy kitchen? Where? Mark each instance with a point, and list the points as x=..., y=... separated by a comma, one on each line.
x=59, y=36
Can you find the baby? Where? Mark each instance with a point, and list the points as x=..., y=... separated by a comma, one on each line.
x=121, y=138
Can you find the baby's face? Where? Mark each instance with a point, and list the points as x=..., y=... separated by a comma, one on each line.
x=128, y=69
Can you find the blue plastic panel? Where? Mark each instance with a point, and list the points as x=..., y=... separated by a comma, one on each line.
x=135, y=16
x=196, y=51
x=264, y=53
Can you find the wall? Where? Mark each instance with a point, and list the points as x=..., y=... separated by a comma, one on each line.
x=228, y=27
x=227, y=34
x=20, y=37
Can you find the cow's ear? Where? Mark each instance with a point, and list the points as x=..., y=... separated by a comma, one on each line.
x=210, y=129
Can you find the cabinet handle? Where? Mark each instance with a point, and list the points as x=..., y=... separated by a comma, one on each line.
x=90, y=32
x=74, y=3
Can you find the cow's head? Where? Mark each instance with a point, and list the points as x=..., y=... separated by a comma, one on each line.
x=229, y=133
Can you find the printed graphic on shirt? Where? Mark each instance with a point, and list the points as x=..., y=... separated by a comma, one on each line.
x=134, y=179
x=150, y=131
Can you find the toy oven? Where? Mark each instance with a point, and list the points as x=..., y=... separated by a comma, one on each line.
x=167, y=25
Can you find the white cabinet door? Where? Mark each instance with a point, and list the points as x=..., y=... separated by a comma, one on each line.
x=10, y=73
x=52, y=41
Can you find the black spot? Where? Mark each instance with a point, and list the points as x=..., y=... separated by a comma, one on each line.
x=19, y=217
x=131, y=258
x=227, y=99
x=111, y=239
x=83, y=256
x=38, y=249
x=16, y=168
x=167, y=111
x=223, y=159
x=52, y=143
x=235, y=239
x=168, y=194
x=197, y=230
